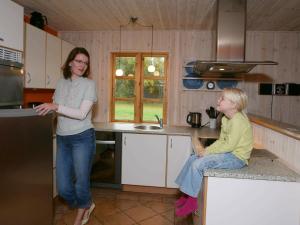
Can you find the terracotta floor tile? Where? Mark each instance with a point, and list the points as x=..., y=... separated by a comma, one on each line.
x=159, y=207
x=128, y=196
x=117, y=219
x=170, y=215
x=156, y=220
x=183, y=220
x=94, y=221
x=69, y=217
x=106, y=209
x=140, y=213
x=126, y=204
x=115, y=207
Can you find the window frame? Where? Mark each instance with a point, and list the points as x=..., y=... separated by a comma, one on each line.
x=139, y=87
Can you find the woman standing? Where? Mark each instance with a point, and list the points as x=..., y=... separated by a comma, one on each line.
x=73, y=99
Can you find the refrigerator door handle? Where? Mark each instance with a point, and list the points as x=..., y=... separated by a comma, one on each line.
x=105, y=142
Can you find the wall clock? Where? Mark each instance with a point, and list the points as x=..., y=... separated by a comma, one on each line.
x=210, y=85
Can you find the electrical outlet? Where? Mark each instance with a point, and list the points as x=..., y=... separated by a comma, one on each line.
x=279, y=89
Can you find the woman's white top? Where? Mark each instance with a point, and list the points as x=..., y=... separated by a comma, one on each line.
x=71, y=96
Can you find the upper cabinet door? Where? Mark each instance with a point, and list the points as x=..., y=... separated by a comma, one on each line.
x=12, y=25
x=35, y=54
x=53, y=60
x=66, y=48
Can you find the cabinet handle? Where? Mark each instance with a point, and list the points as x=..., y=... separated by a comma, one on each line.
x=105, y=142
x=124, y=141
x=29, y=78
x=48, y=79
x=171, y=143
x=1, y=39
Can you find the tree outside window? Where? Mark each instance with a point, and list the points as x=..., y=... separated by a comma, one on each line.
x=138, y=95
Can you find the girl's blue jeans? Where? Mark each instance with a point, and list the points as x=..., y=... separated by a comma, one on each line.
x=73, y=166
x=191, y=176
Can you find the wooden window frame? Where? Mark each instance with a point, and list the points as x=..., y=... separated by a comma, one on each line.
x=139, y=87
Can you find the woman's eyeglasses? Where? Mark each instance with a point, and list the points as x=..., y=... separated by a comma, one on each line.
x=81, y=62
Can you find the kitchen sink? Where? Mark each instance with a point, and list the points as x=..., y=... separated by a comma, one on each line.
x=147, y=127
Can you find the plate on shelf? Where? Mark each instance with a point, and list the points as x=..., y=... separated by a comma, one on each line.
x=227, y=84
x=192, y=83
x=189, y=67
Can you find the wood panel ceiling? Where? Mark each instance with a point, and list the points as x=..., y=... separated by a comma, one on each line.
x=82, y=15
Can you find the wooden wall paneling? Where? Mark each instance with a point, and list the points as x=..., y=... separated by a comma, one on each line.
x=286, y=148
x=182, y=44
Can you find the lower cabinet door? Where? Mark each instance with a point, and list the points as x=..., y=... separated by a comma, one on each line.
x=144, y=159
x=179, y=149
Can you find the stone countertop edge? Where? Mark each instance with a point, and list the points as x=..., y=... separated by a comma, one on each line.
x=204, y=132
x=259, y=168
x=283, y=128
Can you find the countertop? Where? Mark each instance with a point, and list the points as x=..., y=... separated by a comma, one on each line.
x=204, y=132
x=283, y=128
x=263, y=165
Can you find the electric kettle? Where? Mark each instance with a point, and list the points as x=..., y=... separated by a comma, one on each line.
x=194, y=119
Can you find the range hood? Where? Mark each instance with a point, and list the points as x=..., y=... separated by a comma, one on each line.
x=230, y=46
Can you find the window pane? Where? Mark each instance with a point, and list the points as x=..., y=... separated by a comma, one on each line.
x=124, y=88
x=153, y=88
x=124, y=110
x=127, y=64
x=159, y=64
x=150, y=109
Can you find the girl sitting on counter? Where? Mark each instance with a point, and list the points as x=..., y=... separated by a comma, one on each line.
x=231, y=151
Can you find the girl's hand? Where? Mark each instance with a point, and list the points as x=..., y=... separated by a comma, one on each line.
x=43, y=109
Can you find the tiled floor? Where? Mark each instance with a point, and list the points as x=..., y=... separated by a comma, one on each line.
x=114, y=207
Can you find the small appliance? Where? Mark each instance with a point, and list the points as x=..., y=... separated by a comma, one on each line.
x=194, y=119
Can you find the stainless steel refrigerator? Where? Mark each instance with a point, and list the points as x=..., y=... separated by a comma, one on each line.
x=25, y=158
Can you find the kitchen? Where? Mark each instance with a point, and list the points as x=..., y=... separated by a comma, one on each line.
x=273, y=38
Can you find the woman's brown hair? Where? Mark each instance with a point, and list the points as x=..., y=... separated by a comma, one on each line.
x=66, y=67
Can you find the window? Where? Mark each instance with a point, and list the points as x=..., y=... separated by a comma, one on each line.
x=138, y=95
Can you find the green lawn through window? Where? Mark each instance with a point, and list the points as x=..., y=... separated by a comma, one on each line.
x=124, y=111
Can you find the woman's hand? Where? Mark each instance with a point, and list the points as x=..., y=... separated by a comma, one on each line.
x=43, y=109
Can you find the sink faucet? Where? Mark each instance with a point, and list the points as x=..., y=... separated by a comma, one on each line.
x=160, y=121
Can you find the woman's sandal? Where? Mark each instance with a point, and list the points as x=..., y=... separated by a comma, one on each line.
x=87, y=216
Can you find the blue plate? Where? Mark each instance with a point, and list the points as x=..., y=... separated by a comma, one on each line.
x=192, y=83
x=189, y=68
x=227, y=84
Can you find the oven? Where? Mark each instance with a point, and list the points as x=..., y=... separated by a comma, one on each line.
x=106, y=168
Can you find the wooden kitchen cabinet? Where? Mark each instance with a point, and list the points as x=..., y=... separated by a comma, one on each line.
x=144, y=159
x=53, y=60
x=66, y=48
x=44, y=57
x=179, y=150
x=12, y=25
x=35, y=53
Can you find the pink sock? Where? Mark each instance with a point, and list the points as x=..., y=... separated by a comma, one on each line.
x=190, y=206
x=181, y=201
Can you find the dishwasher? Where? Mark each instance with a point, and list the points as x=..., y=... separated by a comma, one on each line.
x=106, y=167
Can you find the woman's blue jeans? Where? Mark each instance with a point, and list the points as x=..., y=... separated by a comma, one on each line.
x=73, y=166
x=191, y=176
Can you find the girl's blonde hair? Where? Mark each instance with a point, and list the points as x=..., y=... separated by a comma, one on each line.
x=237, y=96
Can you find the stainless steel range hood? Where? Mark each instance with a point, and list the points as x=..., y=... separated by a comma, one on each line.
x=230, y=47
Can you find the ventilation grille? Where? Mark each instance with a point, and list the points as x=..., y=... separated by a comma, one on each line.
x=10, y=55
